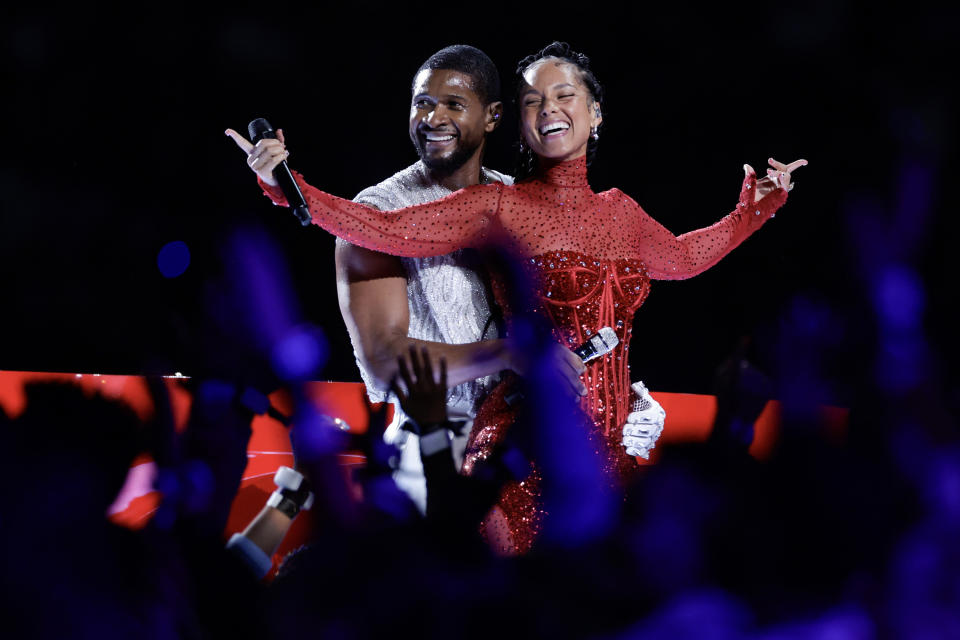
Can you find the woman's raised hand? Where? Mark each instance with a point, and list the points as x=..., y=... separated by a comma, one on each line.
x=264, y=156
x=778, y=177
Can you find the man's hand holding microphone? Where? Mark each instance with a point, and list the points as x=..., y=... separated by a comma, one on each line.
x=267, y=157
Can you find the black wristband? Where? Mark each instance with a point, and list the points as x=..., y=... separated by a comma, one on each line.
x=288, y=507
x=300, y=495
x=291, y=501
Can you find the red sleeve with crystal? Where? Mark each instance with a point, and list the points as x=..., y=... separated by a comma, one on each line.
x=462, y=219
x=670, y=257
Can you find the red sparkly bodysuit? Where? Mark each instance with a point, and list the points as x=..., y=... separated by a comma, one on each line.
x=594, y=253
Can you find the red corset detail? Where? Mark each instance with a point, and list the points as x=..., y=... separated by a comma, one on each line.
x=580, y=295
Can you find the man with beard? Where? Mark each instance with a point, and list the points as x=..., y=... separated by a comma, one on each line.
x=439, y=303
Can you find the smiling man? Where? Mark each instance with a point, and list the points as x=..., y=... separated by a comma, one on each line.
x=440, y=303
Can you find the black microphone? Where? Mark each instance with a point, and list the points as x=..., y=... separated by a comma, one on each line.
x=600, y=344
x=260, y=129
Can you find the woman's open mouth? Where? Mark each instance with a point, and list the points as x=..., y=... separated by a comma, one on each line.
x=553, y=129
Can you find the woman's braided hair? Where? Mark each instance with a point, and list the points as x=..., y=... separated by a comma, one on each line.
x=527, y=159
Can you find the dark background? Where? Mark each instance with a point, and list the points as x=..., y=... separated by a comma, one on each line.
x=113, y=147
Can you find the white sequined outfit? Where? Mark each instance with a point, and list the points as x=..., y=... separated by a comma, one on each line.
x=448, y=304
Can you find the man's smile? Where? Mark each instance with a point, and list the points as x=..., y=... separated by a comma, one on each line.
x=438, y=139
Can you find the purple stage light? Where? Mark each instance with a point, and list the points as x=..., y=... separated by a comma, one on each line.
x=300, y=353
x=847, y=622
x=316, y=435
x=582, y=505
x=214, y=398
x=200, y=480
x=943, y=487
x=173, y=259
x=899, y=298
x=708, y=614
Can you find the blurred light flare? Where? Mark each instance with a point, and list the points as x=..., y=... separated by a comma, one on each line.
x=899, y=297
x=695, y=614
x=848, y=623
x=255, y=401
x=300, y=353
x=808, y=329
x=581, y=504
x=316, y=435
x=173, y=259
x=199, y=481
x=942, y=487
x=214, y=398
x=260, y=285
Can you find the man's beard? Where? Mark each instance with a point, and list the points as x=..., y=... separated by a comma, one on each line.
x=449, y=163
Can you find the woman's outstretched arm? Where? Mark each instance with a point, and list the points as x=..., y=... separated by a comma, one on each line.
x=461, y=219
x=670, y=257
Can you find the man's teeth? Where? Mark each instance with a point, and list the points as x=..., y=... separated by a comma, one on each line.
x=432, y=137
x=554, y=126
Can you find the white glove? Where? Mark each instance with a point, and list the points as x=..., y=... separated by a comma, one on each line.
x=644, y=423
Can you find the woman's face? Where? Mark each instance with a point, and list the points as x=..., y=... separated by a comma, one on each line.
x=556, y=110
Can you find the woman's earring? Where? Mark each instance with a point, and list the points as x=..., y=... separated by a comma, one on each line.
x=594, y=133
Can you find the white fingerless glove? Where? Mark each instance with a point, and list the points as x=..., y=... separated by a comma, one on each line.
x=644, y=423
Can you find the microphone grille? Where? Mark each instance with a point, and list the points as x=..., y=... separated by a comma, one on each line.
x=609, y=336
x=257, y=128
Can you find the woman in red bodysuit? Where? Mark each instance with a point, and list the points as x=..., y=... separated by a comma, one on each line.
x=594, y=253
